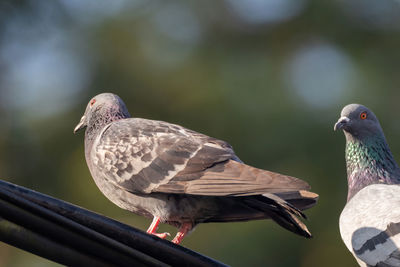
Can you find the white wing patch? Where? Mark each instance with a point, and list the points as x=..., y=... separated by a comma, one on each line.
x=184, y=132
x=367, y=215
x=172, y=173
x=214, y=145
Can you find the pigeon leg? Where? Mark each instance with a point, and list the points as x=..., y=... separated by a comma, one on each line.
x=185, y=228
x=153, y=228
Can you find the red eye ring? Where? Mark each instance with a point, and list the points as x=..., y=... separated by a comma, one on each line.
x=92, y=102
x=363, y=115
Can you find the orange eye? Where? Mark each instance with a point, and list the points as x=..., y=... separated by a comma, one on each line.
x=363, y=115
x=92, y=102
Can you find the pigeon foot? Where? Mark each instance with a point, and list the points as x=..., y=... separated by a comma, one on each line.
x=153, y=228
x=161, y=235
x=185, y=228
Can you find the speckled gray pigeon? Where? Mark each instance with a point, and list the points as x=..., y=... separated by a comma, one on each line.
x=370, y=221
x=174, y=175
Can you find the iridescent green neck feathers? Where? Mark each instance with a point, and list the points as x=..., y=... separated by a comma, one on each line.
x=369, y=161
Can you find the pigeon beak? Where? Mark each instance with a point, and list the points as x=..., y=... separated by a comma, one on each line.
x=80, y=125
x=341, y=123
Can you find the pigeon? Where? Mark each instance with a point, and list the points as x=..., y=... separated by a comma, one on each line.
x=177, y=176
x=370, y=221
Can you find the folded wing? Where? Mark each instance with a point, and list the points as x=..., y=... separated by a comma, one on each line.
x=146, y=156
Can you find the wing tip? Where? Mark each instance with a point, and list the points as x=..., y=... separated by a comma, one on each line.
x=308, y=194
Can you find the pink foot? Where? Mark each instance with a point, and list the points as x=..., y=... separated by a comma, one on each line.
x=153, y=228
x=161, y=235
x=185, y=228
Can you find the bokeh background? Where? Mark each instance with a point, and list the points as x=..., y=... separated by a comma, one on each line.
x=268, y=76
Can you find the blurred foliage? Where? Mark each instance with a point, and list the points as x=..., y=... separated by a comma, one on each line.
x=270, y=77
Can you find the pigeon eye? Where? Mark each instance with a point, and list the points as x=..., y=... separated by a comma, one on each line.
x=92, y=102
x=363, y=115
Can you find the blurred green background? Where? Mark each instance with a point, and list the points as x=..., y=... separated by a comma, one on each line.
x=268, y=76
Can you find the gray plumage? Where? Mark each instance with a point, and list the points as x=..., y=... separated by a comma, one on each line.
x=370, y=221
x=162, y=170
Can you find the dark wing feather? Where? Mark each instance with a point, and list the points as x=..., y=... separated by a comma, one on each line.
x=153, y=156
x=281, y=212
x=301, y=199
x=393, y=260
x=232, y=178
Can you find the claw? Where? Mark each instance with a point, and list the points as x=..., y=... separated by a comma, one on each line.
x=161, y=235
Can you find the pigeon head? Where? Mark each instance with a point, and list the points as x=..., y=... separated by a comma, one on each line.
x=101, y=110
x=357, y=121
x=368, y=157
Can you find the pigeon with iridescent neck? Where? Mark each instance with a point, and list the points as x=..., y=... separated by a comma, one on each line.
x=370, y=221
x=174, y=175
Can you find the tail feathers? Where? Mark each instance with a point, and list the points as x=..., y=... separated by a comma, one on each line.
x=281, y=212
x=301, y=199
x=282, y=203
